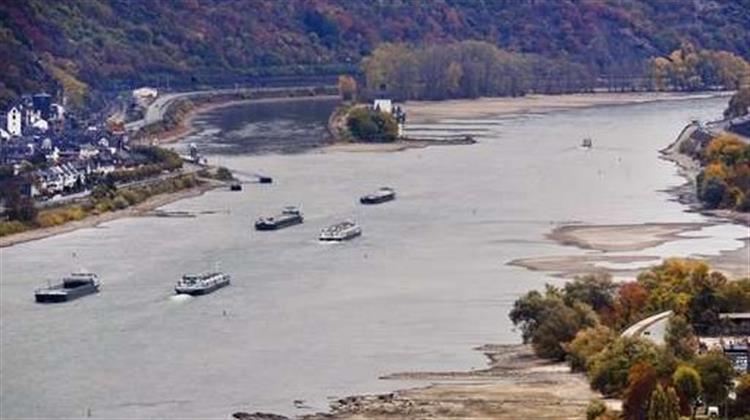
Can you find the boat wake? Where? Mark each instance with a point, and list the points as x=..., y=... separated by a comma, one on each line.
x=181, y=297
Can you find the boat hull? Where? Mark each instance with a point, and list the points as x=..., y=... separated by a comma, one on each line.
x=202, y=290
x=377, y=200
x=65, y=295
x=346, y=237
x=279, y=223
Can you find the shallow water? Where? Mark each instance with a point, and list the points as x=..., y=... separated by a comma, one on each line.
x=425, y=283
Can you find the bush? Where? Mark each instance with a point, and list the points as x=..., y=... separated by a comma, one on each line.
x=595, y=409
x=372, y=126
x=224, y=174
x=11, y=227
x=120, y=202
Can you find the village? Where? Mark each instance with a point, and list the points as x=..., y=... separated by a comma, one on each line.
x=47, y=154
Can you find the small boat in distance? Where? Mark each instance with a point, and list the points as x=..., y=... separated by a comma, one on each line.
x=587, y=143
x=263, y=179
x=235, y=186
x=72, y=287
x=340, y=232
x=202, y=284
x=288, y=217
x=380, y=196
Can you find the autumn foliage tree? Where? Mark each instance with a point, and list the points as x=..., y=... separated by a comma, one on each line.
x=642, y=379
x=347, y=87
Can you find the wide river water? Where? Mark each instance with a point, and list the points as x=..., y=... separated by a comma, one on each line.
x=425, y=284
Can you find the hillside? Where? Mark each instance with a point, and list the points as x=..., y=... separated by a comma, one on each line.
x=104, y=45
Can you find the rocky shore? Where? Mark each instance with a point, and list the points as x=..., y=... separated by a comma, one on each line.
x=515, y=385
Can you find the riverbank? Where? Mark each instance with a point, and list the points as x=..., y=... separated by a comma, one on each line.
x=689, y=169
x=139, y=209
x=430, y=111
x=515, y=385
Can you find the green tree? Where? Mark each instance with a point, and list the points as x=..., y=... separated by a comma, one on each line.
x=560, y=324
x=716, y=373
x=608, y=370
x=741, y=405
x=548, y=323
x=680, y=337
x=663, y=405
x=595, y=290
x=371, y=125
x=687, y=382
x=587, y=343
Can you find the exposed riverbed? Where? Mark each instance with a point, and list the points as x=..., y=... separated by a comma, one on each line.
x=427, y=282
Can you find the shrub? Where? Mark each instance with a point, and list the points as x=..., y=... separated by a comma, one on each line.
x=224, y=174
x=595, y=409
x=120, y=202
x=11, y=227
x=372, y=126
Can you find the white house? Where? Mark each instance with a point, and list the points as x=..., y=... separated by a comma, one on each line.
x=41, y=125
x=14, y=121
x=383, y=105
x=145, y=95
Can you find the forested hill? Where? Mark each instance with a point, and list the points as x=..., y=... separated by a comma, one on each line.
x=94, y=45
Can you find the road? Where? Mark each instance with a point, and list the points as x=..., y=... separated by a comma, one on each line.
x=652, y=327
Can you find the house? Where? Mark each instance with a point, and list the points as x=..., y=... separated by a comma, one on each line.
x=144, y=96
x=14, y=119
x=735, y=323
x=383, y=105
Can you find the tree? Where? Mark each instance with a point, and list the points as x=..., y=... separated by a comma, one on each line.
x=716, y=373
x=663, y=404
x=371, y=125
x=687, y=382
x=548, y=323
x=680, y=337
x=347, y=87
x=587, y=343
x=18, y=207
x=741, y=405
x=631, y=300
x=560, y=324
x=739, y=104
x=641, y=382
x=595, y=290
x=608, y=370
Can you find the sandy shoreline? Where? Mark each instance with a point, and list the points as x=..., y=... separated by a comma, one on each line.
x=515, y=385
x=425, y=111
x=140, y=209
x=604, y=240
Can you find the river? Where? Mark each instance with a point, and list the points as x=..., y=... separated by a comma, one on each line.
x=425, y=284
